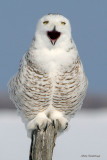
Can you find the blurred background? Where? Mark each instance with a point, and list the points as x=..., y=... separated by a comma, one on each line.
x=88, y=19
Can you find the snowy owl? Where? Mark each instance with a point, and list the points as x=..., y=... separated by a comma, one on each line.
x=50, y=84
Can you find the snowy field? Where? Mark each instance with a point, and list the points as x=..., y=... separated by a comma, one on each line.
x=86, y=138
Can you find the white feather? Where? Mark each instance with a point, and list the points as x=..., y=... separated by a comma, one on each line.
x=50, y=83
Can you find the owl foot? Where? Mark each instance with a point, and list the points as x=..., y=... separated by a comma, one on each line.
x=40, y=122
x=62, y=121
x=62, y=125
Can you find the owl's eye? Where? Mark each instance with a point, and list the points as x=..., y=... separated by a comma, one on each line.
x=63, y=23
x=45, y=22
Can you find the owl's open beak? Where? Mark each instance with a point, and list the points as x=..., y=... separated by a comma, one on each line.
x=53, y=35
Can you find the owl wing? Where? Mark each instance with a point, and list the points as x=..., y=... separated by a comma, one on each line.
x=70, y=89
x=30, y=89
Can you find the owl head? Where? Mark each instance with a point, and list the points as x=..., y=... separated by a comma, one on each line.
x=52, y=31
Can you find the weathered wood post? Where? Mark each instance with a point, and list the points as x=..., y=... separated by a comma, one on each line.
x=42, y=143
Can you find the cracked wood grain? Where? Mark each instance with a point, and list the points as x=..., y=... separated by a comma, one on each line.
x=42, y=143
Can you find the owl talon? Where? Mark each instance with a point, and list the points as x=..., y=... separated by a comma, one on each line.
x=53, y=123
x=66, y=126
x=38, y=128
x=45, y=128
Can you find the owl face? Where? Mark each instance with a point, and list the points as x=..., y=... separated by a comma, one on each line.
x=53, y=30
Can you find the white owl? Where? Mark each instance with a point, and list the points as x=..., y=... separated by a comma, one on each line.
x=50, y=84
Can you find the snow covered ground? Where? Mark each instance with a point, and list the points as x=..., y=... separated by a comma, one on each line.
x=86, y=138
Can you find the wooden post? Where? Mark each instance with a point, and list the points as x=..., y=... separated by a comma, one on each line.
x=42, y=143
